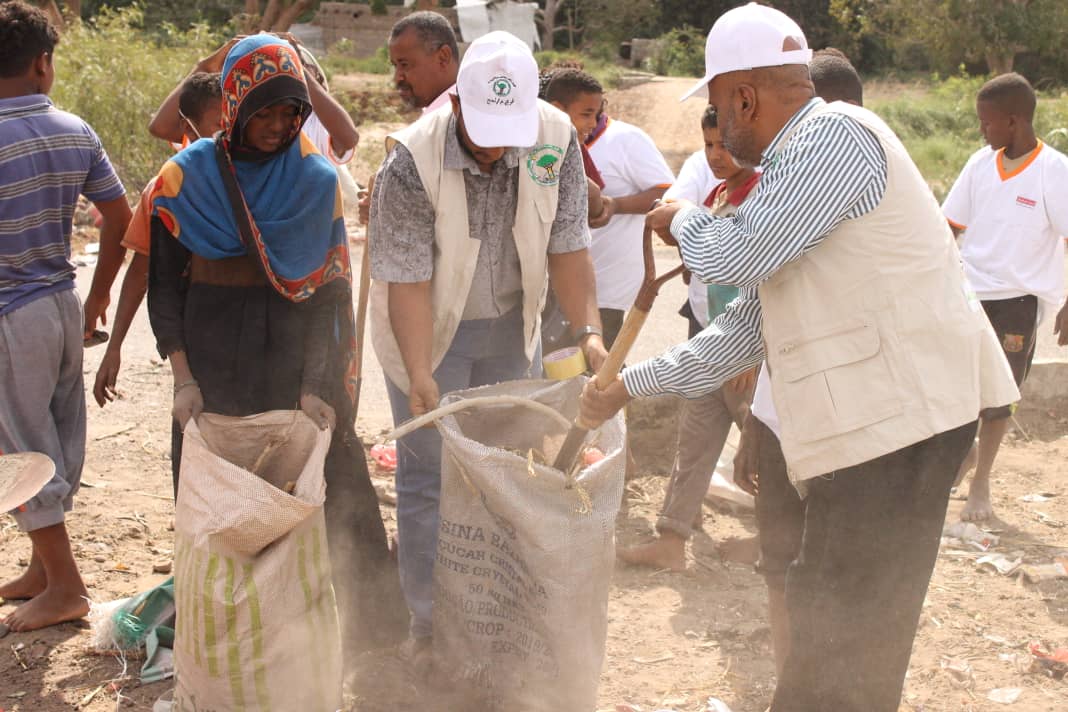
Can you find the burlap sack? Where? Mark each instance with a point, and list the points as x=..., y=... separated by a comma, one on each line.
x=256, y=628
x=525, y=556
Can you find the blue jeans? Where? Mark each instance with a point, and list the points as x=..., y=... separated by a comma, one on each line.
x=483, y=352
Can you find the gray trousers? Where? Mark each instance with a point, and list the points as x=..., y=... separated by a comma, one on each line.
x=704, y=424
x=42, y=406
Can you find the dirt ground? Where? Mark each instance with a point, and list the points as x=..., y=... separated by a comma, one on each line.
x=674, y=639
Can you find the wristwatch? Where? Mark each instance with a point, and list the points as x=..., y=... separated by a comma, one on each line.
x=585, y=331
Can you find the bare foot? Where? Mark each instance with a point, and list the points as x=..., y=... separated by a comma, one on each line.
x=32, y=583
x=970, y=460
x=740, y=551
x=978, y=507
x=668, y=551
x=55, y=605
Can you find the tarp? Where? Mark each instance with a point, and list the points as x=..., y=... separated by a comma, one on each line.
x=478, y=17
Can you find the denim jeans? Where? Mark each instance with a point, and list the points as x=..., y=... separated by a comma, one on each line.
x=483, y=352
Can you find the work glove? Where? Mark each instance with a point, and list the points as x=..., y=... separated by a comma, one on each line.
x=188, y=403
x=320, y=412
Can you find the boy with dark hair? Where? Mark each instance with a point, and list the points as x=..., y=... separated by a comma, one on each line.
x=581, y=97
x=704, y=422
x=694, y=182
x=200, y=104
x=835, y=76
x=1008, y=205
x=577, y=94
x=634, y=173
x=49, y=157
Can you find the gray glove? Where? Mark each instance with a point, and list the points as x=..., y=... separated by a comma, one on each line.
x=318, y=410
x=188, y=403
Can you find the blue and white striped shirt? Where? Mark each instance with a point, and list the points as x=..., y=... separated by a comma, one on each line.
x=47, y=157
x=815, y=176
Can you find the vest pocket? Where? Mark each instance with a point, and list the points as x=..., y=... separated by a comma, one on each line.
x=837, y=382
x=546, y=203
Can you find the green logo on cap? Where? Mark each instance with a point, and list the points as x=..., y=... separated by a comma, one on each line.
x=542, y=162
x=502, y=86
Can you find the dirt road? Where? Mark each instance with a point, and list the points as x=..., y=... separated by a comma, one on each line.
x=674, y=639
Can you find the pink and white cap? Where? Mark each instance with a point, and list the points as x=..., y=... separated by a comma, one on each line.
x=498, y=89
x=750, y=37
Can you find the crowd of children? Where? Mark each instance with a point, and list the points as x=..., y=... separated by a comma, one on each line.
x=222, y=279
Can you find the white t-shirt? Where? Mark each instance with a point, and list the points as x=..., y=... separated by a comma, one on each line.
x=1014, y=225
x=318, y=135
x=694, y=183
x=629, y=163
x=763, y=407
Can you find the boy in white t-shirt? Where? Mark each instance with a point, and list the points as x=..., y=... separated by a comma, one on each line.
x=694, y=182
x=703, y=422
x=635, y=174
x=1010, y=207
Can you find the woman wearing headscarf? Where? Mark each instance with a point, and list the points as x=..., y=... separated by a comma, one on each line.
x=250, y=298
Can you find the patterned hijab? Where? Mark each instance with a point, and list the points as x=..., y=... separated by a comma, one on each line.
x=290, y=196
x=260, y=71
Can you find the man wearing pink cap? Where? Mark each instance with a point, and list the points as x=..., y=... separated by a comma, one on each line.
x=476, y=207
x=878, y=352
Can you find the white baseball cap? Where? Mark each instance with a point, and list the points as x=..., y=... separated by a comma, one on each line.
x=498, y=89
x=749, y=37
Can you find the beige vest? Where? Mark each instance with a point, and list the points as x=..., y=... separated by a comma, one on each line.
x=455, y=252
x=874, y=339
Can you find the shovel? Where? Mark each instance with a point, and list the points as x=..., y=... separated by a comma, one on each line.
x=628, y=334
x=361, y=308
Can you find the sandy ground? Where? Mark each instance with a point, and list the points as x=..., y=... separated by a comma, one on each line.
x=674, y=640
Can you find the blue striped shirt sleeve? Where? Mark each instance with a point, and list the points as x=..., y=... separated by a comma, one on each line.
x=831, y=170
x=728, y=346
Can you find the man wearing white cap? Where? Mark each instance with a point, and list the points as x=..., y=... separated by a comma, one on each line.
x=879, y=355
x=477, y=206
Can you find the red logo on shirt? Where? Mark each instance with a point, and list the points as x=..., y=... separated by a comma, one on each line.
x=1026, y=202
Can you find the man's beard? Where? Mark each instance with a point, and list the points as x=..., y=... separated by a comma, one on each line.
x=409, y=98
x=739, y=142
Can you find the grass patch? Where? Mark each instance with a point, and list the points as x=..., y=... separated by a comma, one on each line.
x=372, y=104
x=607, y=72
x=114, y=75
x=936, y=121
x=340, y=61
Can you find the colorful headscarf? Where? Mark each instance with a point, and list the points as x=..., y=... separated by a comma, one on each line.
x=291, y=196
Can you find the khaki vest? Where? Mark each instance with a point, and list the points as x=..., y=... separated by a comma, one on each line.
x=874, y=339
x=455, y=252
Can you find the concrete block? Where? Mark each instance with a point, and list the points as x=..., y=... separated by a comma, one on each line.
x=1047, y=384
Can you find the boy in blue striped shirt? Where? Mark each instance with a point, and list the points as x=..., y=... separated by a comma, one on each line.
x=47, y=157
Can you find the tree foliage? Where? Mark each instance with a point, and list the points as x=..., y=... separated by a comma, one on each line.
x=251, y=15
x=986, y=34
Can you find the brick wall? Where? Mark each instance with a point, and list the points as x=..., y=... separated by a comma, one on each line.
x=354, y=22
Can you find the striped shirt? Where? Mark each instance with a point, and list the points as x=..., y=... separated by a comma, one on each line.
x=815, y=176
x=47, y=157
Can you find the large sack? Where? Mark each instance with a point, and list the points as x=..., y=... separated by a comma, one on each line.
x=525, y=555
x=257, y=624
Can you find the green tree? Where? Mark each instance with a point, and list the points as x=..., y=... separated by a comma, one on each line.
x=951, y=32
